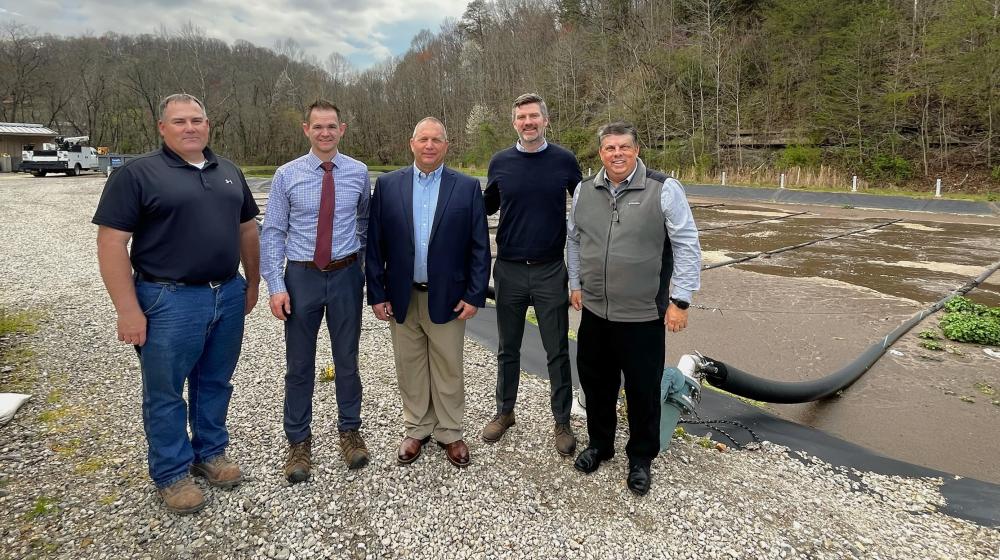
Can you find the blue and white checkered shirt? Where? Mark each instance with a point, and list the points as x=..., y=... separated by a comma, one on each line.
x=426, y=187
x=293, y=210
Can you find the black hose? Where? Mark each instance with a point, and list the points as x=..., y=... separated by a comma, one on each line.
x=739, y=382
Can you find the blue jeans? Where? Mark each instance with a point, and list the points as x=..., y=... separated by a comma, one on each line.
x=314, y=293
x=193, y=334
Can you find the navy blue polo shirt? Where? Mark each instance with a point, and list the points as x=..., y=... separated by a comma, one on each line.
x=185, y=221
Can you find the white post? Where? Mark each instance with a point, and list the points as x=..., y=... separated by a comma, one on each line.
x=588, y=171
x=937, y=189
x=723, y=178
x=854, y=184
x=782, y=180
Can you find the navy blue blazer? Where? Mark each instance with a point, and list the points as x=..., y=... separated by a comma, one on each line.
x=458, y=255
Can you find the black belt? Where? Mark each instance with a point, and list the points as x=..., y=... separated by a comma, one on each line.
x=157, y=280
x=420, y=286
x=530, y=261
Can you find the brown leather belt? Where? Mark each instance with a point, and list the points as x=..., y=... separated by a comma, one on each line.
x=334, y=265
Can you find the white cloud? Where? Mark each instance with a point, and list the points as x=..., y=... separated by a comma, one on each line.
x=361, y=30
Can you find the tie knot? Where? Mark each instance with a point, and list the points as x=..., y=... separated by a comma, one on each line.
x=327, y=166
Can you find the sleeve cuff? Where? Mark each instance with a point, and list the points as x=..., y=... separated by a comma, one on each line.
x=275, y=285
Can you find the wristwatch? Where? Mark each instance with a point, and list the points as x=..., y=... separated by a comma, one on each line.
x=681, y=304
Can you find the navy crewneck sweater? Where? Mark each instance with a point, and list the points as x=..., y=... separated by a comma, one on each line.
x=529, y=189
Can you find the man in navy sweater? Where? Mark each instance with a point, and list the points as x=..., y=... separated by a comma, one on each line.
x=528, y=183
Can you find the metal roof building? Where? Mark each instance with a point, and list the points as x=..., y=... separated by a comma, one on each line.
x=13, y=137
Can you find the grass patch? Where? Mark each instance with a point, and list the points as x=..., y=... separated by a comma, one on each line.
x=931, y=345
x=985, y=388
x=17, y=371
x=44, y=505
x=264, y=171
x=66, y=448
x=53, y=416
x=24, y=322
x=90, y=466
x=108, y=500
x=54, y=396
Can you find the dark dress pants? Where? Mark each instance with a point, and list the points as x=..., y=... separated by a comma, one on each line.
x=605, y=351
x=338, y=295
x=543, y=285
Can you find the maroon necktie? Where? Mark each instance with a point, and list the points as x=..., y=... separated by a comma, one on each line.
x=324, y=228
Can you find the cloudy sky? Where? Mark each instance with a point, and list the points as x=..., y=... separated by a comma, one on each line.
x=364, y=31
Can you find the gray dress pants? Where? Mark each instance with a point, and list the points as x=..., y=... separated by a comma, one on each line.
x=545, y=286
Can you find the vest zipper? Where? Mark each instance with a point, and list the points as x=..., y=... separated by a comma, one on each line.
x=607, y=256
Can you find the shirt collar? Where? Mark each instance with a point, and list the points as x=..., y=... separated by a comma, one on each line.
x=436, y=174
x=314, y=161
x=520, y=148
x=628, y=180
x=175, y=160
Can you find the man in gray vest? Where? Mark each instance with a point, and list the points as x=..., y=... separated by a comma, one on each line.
x=630, y=238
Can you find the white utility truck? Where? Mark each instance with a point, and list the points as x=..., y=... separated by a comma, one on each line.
x=67, y=155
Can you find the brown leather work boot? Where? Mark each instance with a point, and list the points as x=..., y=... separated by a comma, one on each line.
x=497, y=427
x=183, y=497
x=219, y=471
x=565, y=439
x=298, y=463
x=353, y=449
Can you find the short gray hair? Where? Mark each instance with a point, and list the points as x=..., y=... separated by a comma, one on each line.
x=615, y=129
x=180, y=98
x=431, y=120
x=525, y=100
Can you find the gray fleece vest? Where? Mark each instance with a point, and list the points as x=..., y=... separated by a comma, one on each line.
x=625, y=254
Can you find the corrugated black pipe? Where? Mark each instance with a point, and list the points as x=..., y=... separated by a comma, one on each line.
x=739, y=382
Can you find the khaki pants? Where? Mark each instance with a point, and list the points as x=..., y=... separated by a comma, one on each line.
x=429, y=369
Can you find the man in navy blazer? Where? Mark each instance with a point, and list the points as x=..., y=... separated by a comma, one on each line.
x=427, y=266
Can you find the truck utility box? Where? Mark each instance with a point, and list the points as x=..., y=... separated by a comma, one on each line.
x=68, y=155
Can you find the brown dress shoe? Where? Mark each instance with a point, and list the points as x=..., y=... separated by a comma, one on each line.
x=457, y=453
x=497, y=427
x=409, y=449
x=183, y=497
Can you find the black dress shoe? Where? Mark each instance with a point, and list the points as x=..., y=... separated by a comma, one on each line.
x=638, y=479
x=591, y=458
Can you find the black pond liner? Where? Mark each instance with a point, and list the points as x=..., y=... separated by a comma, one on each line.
x=966, y=498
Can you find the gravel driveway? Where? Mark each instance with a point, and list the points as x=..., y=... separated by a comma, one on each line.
x=73, y=480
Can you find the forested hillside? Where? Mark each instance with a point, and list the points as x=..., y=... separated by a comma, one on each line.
x=897, y=91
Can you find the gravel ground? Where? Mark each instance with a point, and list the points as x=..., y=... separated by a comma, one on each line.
x=73, y=480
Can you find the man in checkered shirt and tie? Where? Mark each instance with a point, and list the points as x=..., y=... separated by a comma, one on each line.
x=312, y=244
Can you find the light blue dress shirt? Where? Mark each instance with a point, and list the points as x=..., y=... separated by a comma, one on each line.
x=292, y=212
x=426, y=187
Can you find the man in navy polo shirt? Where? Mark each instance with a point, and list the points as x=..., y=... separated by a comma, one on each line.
x=179, y=296
x=528, y=183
